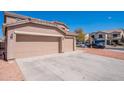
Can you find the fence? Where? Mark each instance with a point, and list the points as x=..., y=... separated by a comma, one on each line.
x=2, y=47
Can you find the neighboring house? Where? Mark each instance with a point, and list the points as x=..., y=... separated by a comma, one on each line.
x=115, y=36
x=2, y=44
x=27, y=37
x=109, y=36
x=98, y=36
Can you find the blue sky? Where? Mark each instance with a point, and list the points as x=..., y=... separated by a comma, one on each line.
x=89, y=21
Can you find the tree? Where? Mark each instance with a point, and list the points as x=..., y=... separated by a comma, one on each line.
x=81, y=35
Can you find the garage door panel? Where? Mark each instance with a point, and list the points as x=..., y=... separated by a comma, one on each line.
x=68, y=44
x=28, y=46
x=31, y=38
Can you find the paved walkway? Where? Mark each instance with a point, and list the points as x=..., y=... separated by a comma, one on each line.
x=72, y=66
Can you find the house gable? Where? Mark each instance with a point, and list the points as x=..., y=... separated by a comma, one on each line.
x=36, y=28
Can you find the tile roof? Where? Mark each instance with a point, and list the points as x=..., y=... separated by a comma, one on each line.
x=60, y=23
x=15, y=15
x=111, y=31
x=34, y=20
x=108, y=31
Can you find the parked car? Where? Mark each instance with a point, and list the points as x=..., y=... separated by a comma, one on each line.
x=80, y=44
x=98, y=45
x=88, y=44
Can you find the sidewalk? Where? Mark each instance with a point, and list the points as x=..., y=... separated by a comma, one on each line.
x=121, y=48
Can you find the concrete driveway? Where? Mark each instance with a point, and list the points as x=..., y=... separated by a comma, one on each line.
x=72, y=66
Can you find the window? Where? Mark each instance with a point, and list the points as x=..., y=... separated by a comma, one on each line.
x=92, y=36
x=115, y=35
x=100, y=36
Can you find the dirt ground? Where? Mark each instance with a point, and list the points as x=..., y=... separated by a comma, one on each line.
x=9, y=71
x=105, y=52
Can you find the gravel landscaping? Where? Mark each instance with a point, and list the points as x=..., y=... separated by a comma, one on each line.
x=10, y=71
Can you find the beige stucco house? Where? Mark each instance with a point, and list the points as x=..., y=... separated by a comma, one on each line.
x=29, y=37
x=109, y=36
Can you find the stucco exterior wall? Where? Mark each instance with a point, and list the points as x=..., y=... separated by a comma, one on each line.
x=10, y=45
x=36, y=29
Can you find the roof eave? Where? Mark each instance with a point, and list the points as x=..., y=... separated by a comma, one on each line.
x=15, y=15
x=27, y=21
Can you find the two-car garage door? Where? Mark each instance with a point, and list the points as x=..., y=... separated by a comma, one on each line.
x=29, y=45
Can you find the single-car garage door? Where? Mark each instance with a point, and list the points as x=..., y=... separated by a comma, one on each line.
x=68, y=44
x=29, y=45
